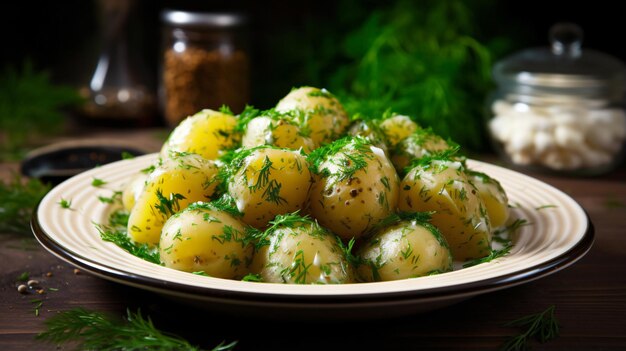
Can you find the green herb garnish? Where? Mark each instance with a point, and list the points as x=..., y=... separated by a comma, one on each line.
x=19, y=198
x=492, y=256
x=95, y=331
x=30, y=106
x=116, y=233
x=66, y=204
x=23, y=277
x=250, y=277
x=97, y=182
x=544, y=207
x=115, y=198
x=168, y=206
x=541, y=326
x=38, y=303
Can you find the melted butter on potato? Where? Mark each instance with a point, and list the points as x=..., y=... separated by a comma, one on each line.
x=269, y=181
x=355, y=187
x=206, y=239
x=133, y=190
x=396, y=128
x=316, y=110
x=208, y=133
x=407, y=249
x=493, y=196
x=460, y=214
x=180, y=180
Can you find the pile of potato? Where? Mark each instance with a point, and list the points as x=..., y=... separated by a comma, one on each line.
x=303, y=194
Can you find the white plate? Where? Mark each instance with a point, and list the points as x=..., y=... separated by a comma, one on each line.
x=558, y=236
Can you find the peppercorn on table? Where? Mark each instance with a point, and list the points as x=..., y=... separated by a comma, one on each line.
x=588, y=297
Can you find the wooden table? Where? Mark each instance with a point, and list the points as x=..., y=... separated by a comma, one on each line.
x=590, y=297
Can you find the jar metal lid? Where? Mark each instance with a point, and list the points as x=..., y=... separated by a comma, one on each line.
x=203, y=19
x=563, y=65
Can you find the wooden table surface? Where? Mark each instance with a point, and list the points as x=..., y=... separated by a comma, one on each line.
x=589, y=296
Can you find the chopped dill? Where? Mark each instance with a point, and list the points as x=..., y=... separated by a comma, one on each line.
x=97, y=182
x=168, y=206
x=115, y=232
x=38, y=304
x=263, y=175
x=116, y=198
x=202, y=273
x=350, y=154
x=66, y=204
x=23, y=277
x=251, y=277
x=492, y=256
x=226, y=110
x=298, y=270
x=127, y=155
x=545, y=206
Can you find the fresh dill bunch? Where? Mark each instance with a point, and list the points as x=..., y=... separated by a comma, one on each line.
x=426, y=59
x=541, y=326
x=30, y=106
x=95, y=331
x=18, y=198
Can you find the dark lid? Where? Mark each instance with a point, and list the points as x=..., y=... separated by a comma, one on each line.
x=563, y=65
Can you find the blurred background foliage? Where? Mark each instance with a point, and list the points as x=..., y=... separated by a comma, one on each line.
x=425, y=58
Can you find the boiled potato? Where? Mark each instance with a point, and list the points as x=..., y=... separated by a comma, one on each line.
x=493, y=196
x=355, y=187
x=460, y=215
x=279, y=132
x=180, y=180
x=369, y=130
x=133, y=190
x=203, y=238
x=396, y=128
x=422, y=142
x=268, y=181
x=299, y=251
x=317, y=111
x=407, y=249
x=207, y=133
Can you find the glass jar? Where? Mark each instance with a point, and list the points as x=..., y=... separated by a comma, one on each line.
x=560, y=109
x=119, y=93
x=204, y=63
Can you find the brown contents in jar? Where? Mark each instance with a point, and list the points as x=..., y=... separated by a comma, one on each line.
x=196, y=79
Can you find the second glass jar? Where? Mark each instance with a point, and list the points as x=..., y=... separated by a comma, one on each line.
x=560, y=109
x=205, y=63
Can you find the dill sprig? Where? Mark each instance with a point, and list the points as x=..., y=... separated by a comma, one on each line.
x=503, y=236
x=115, y=231
x=492, y=255
x=168, y=205
x=95, y=331
x=30, y=106
x=541, y=326
x=18, y=198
